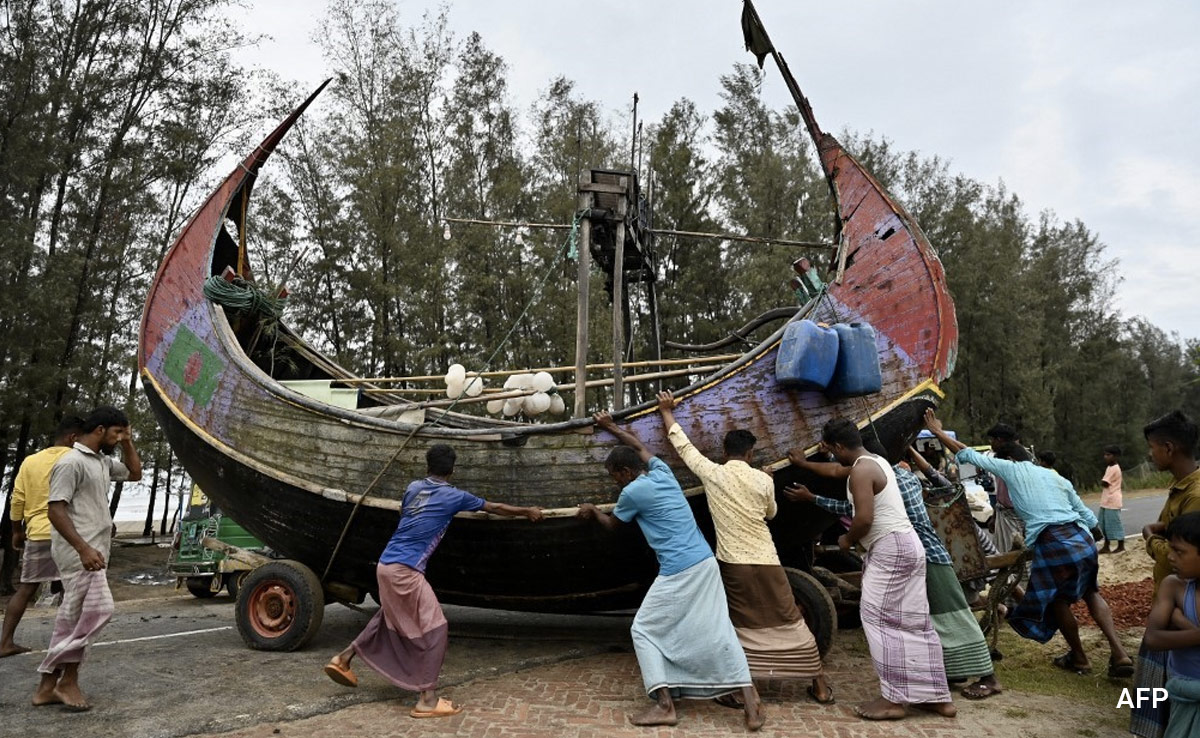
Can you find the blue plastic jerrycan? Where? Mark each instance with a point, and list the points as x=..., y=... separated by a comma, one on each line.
x=807, y=356
x=857, y=371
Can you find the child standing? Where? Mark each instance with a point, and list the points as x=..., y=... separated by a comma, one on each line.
x=1110, y=502
x=1174, y=627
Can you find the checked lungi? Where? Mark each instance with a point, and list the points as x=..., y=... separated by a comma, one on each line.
x=684, y=639
x=777, y=641
x=406, y=640
x=1149, y=717
x=86, y=608
x=1064, y=568
x=896, y=621
x=37, y=565
x=1111, y=525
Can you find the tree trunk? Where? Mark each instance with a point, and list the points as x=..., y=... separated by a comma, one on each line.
x=148, y=529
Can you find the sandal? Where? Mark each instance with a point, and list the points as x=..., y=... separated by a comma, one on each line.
x=341, y=674
x=1065, y=663
x=1119, y=671
x=445, y=708
x=812, y=694
x=979, y=691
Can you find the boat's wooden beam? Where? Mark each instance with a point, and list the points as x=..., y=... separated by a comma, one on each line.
x=720, y=359
x=507, y=394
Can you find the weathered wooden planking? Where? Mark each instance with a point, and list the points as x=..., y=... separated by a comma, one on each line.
x=283, y=465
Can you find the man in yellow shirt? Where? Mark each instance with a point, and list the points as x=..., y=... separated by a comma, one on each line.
x=1172, y=441
x=769, y=625
x=31, y=527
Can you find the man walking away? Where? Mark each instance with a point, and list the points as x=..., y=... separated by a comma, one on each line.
x=80, y=545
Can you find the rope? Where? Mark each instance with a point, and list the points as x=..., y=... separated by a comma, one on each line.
x=569, y=247
x=243, y=296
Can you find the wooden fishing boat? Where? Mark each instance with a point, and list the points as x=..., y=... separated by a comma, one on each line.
x=293, y=470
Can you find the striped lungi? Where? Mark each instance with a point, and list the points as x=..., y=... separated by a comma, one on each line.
x=777, y=641
x=1111, y=525
x=406, y=639
x=1064, y=568
x=896, y=621
x=36, y=563
x=965, y=651
x=86, y=608
x=683, y=638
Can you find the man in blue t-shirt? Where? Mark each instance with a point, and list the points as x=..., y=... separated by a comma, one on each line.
x=685, y=643
x=406, y=639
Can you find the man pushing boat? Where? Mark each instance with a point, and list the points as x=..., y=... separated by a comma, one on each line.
x=686, y=645
x=777, y=641
x=406, y=639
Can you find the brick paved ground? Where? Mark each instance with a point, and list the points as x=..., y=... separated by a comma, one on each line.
x=592, y=698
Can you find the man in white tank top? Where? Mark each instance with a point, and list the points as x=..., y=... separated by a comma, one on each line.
x=894, y=607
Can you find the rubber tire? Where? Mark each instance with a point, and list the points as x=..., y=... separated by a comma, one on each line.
x=817, y=606
x=309, y=597
x=234, y=582
x=839, y=562
x=200, y=587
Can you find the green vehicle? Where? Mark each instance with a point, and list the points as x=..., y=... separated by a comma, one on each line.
x=201, y=569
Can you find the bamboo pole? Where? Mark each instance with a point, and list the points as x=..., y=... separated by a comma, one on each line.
x=618, y=304
x=722, y=358
x=582, y=284
x=748, y=239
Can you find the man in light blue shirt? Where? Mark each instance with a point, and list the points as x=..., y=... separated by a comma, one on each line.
x=1064, y=554
x=684, y=640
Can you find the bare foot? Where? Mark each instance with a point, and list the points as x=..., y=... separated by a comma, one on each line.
x=656, y=715
x=945, y=709
x=72, y=697
x=879, y=709
x=755, y=717
x=13, y=650
x=46, y=697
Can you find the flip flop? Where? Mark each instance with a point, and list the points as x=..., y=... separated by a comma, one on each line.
x=812, y=694
x=1065, y=663
x=445, y=708
x=980, y=691
x=341, y=675
x=1119, y=671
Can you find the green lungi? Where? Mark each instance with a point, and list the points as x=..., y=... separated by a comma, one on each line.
x=964, y=649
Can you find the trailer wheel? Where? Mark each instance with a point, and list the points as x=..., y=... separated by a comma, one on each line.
x=816, y=605
x=234, y=582
x=280, y=606
x=200, y=587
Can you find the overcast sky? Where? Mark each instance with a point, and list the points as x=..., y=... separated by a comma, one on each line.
x=1089, y=109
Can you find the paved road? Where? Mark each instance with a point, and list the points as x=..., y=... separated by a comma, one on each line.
x=177, y=666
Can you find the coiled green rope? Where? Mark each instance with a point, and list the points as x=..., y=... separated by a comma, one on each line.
x=243, y=296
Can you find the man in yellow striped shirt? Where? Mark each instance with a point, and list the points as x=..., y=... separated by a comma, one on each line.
x=31, y=527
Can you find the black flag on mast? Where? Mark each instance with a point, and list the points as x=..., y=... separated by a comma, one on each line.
x=757, y=41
